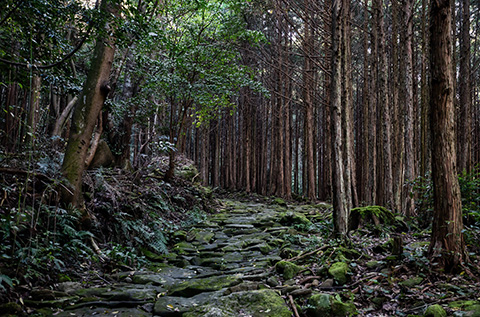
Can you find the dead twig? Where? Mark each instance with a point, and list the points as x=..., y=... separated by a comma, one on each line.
x=294, y=307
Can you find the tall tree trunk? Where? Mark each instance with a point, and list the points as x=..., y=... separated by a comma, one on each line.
x=464, y=155
x=342, y=201
x=308, y=87
x=447, y=247
x=408, y=207
x=385, y=111
x=86, y=111
x=34, y=110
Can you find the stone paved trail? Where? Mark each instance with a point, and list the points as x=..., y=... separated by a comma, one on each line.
x=223, y=267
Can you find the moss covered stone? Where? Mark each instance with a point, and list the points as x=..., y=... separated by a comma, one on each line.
x=256, y=303
x=294, y=218
x=435, y=311
x=343, y=309
x=319, y=305
x=339, y=271
x=288, y=269
x=375, y=214
x=196, y=286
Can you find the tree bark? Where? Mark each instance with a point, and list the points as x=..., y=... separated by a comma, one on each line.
x=464, y=155
x=447, y=247
x=86, y=111
x=342, y=200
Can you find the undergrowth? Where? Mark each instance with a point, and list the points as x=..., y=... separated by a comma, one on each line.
x=125, y=212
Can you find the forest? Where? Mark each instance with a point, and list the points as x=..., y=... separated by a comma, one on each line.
x=240, y=157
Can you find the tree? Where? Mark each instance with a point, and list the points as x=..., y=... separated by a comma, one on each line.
x=447, y=247
x=341, y=181
x=88, y=107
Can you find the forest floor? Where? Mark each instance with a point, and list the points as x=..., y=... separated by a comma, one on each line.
x=268, y=258
x=172, y=249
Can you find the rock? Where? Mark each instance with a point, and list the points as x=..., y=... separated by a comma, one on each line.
x=201, y=236
x=69, y=287
x=257, y=303
x=273, y=281
x=169, y=305
x=103, y=156
x=294, y=218
x=326, y=305
x=196, y=286
x=131, y=294
x=319, y=305
x=280, y=202
x=339, y=271
x=11, y=309
x=327, y=283
x=343, y=309
x=376, y=214
x=435, y=311
x=411, y=282
x=288, y=269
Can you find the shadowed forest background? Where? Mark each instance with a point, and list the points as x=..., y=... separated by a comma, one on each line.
x=121, y=120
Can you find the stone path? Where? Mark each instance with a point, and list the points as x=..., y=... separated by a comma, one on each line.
x=223, y=267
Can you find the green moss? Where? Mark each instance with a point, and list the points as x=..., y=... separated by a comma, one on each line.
x=288, y=269
x=343, y=309
x=435, y=311
x=339, y=271
x=280, y=202
x=294, y=218
x=257, y=303
x=319, y=305
x=463, y=303
x=209, y=284
x=11, y=309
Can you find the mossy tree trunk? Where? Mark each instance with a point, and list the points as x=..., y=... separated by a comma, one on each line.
x=87, y=109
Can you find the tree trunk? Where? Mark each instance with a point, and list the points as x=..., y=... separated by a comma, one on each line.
x=342, y=201
x=408, y=207
x=464, y=155
x=86, y=112
x=447, y=247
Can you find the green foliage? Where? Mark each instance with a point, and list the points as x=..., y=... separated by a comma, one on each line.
x=469, y=189
x=42, y=240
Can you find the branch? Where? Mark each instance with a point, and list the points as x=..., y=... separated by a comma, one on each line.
x=66, y=57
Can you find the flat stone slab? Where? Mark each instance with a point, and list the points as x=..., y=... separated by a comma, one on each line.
x=170, y=305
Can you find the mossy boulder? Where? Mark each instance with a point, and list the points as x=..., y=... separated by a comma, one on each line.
x=288, y=269
x=435, y=311
x=294, y=218
x=339, y=271
x=202, y=236
x=377, y=215
x=320, y=305
x=187, y=172
x=12, y=309
x=256, y=303
x=280, y=202
x=340, y=308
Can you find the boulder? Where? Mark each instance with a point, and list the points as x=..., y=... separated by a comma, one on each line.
x=339, y=271
x=435, y=311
